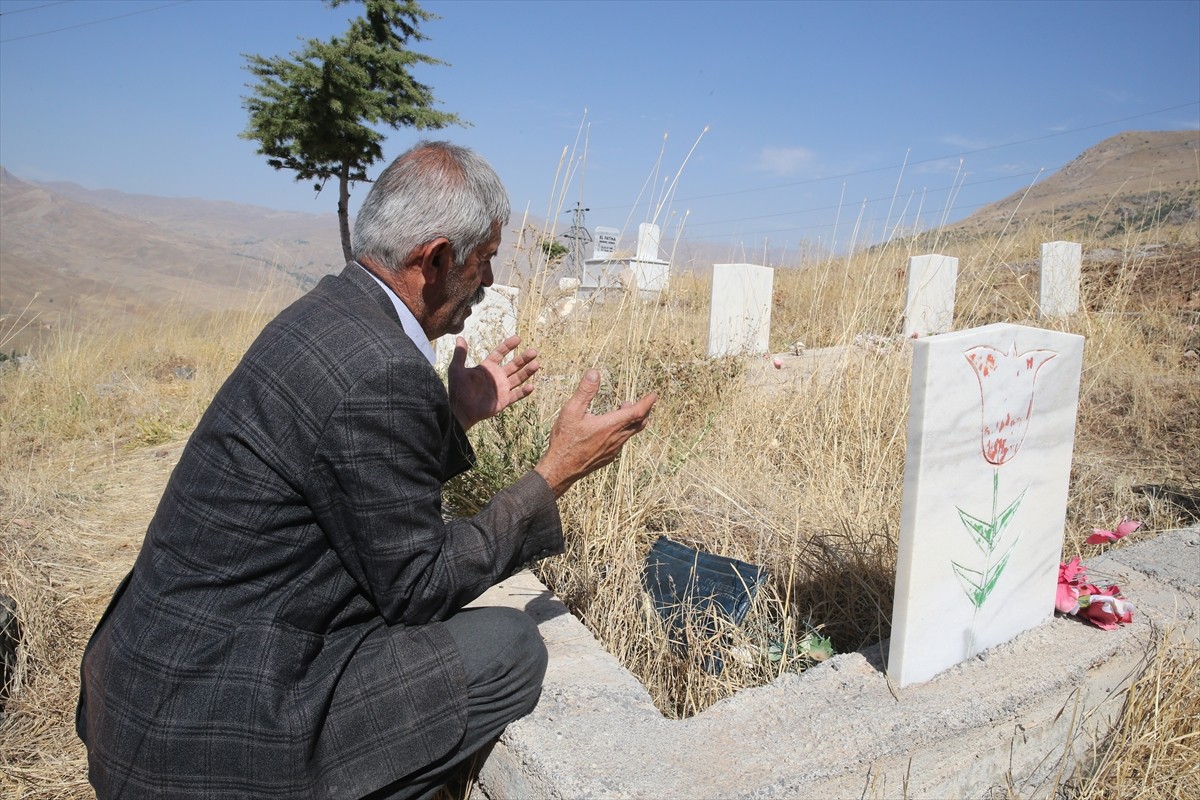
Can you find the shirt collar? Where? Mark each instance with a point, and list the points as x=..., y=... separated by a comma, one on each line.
x=411, y=327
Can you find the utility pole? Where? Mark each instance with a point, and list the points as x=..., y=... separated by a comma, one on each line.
x=579, y=236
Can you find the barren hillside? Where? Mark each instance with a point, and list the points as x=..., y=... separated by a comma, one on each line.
x=1133, y=181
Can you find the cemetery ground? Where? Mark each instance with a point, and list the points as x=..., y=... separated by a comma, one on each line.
x=798, y=469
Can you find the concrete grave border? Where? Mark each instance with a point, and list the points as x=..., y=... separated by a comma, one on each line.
x=838, y=730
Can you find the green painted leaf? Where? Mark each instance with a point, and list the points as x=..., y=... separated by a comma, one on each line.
x=1006, y=515
x=994, y=573
x=981, y=531
x=972, y=587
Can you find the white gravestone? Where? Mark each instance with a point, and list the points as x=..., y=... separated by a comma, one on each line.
x=739, y=316
x=492, y=321
x=1058, y=279
x=648, y=238
x=929, y=301
x=990, y=432
x=650, y=274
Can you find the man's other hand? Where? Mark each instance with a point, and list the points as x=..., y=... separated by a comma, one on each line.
x=485, y=390
x=582, y=442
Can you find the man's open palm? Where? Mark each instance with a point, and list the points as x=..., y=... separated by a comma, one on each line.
x=485, y=390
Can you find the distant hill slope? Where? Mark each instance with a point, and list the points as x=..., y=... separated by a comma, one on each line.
x=66, y=248
x=1137, y=180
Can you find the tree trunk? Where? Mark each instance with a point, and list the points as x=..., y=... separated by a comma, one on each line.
x=344, y=210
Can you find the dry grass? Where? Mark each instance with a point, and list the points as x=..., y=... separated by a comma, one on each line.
x=1153, y=751
x=89, y=431
x=802, y=477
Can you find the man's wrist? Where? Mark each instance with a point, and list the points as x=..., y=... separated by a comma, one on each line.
x=557, y=484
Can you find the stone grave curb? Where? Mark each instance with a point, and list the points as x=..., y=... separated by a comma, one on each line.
x=1002, y=719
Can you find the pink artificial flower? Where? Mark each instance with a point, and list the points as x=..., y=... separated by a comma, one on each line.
x=1101, y=536
x=1070, y=576
x=1106, y=610
x=1006, y=390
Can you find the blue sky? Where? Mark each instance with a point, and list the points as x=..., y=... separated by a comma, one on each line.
x=811, y=109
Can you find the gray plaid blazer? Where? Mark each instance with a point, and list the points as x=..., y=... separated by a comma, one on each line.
x=278, y=635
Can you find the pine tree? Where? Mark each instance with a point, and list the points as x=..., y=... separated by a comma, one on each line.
x=313, y=112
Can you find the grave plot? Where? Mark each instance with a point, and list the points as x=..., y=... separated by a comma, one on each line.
x=1006, y=722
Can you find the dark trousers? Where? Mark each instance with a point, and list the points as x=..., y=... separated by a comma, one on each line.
x=504, y=660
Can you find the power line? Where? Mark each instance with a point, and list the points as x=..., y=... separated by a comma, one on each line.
x=32, y=8
x=93, y=22
x=922, y=161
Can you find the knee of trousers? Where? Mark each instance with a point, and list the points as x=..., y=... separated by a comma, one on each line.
x=504, y=656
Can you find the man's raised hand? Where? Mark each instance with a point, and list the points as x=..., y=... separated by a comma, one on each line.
x=582, y=442
x=485, y=390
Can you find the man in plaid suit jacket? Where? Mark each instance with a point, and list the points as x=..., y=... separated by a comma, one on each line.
x=293, y=624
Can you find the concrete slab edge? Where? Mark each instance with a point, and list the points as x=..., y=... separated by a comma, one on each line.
x=1012, y=717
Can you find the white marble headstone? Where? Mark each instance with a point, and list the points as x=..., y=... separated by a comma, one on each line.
x=491, y=322
x=648, y=238
x=739, y=316
x=990, y=432
x=1058, y=279
x=929, y=300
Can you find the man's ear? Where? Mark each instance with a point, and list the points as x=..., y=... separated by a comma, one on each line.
x=437, y=259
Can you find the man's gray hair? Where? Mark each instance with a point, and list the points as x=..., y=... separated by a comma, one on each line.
x=435, y=189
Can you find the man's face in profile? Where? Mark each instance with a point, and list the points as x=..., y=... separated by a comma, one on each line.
x=465, y=285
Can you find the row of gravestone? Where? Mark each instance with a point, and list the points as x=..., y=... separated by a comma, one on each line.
x=981, y=529
x=740, y=308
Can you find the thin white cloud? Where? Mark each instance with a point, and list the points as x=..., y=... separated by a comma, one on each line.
x=965, y=143
x=781, y=161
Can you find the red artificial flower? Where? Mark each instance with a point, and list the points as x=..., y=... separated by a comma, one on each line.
x=1105, y=609
x=1102, y=536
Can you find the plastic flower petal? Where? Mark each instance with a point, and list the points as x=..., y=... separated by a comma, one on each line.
x=1102, y=536
x=1067, y=599
x=1072, y=571
x=1070, y=574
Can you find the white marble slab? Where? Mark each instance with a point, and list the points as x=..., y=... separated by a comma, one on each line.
x=990, y=433
x=1058, y=279
x=929, y=299
x=651, y=278
x=648, y=240
x=739, y=316
x=491, y=322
